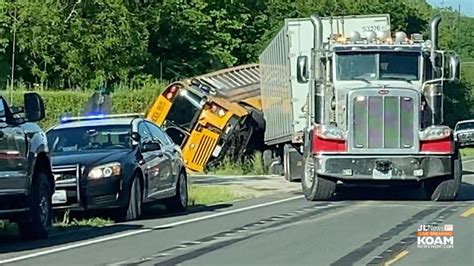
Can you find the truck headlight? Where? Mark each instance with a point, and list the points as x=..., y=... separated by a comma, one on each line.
x=105, y=170
x=435, y=132
x=330, y=132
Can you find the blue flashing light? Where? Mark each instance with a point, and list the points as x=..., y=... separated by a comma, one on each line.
x=96, y=116
x=89, y=116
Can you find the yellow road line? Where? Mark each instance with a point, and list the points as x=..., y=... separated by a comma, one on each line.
x=468, y=212
x=396, y=258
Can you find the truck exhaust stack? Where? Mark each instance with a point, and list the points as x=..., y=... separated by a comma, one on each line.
x=318, y=105
x=435, y=32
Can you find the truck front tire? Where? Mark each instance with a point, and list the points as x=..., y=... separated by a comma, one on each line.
x=445, y=189
x=37, y=223
x=314, y=186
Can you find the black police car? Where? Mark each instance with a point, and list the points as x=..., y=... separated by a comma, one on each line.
x=115, y=161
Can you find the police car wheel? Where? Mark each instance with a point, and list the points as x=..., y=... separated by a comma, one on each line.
x=179, y=202
x=133, y=210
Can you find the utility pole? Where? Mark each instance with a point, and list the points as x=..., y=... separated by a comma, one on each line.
x=458, y=28
x=13, y=56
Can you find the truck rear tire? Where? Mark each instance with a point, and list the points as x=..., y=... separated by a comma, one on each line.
x=314, y=186
x=40, y=215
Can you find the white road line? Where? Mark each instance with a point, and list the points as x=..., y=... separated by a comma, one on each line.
x=141, y=231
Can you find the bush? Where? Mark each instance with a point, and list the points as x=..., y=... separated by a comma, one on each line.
x=73, y=102
x=250, y=166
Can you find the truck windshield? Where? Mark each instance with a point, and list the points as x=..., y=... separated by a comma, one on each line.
x=378, y=66
x=185, y=110
x=89, y=138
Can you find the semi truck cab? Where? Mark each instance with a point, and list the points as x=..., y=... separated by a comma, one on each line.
x=375, y=112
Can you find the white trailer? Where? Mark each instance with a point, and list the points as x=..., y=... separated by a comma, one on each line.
x=283, y=97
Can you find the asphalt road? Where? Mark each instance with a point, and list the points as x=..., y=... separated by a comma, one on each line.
x=367, y=227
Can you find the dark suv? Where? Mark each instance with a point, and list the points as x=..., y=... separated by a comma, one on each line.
x=26, y=180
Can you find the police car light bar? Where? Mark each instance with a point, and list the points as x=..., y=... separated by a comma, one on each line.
x=99, y=116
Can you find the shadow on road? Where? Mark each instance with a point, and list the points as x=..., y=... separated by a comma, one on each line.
x=10, y=241
x=378, y=193
x=13, y=243
x=157, y=211
x=402, y=193
x=466, y=192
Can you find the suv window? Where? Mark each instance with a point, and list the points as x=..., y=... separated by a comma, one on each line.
x=465, y=125
x=158, y=133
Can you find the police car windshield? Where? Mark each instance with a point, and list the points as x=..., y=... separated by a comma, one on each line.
x=89, y=138
x=378, y=66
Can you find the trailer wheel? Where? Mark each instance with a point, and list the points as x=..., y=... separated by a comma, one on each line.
x=447, y=189
x=314, y=186
x=267, y=158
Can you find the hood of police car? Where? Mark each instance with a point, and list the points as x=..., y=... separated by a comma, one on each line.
x=89, y=158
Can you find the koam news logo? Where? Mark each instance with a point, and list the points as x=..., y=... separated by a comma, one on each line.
x=435, y=236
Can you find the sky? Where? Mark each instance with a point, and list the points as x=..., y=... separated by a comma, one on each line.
x=467, y=6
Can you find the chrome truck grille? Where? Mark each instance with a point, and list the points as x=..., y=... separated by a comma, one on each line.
x=383, y=121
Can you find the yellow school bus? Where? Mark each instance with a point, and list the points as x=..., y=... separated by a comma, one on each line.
x=213, y=115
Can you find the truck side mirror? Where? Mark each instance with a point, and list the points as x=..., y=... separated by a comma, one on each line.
x=34, y=107
x=302, y=69
x=454, y=68
x=5, y=112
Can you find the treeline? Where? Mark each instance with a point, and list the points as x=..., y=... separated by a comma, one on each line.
x=85, y=43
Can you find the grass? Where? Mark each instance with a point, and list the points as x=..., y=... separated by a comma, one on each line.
x=208, y=195
x=251, y=166
x=7, y=228
x=467, y=152
x=67, y=223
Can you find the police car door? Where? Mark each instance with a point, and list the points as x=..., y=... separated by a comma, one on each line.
x=153, y=162
x=167, y=170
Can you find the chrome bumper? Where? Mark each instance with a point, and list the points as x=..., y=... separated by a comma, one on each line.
x=380, y=167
